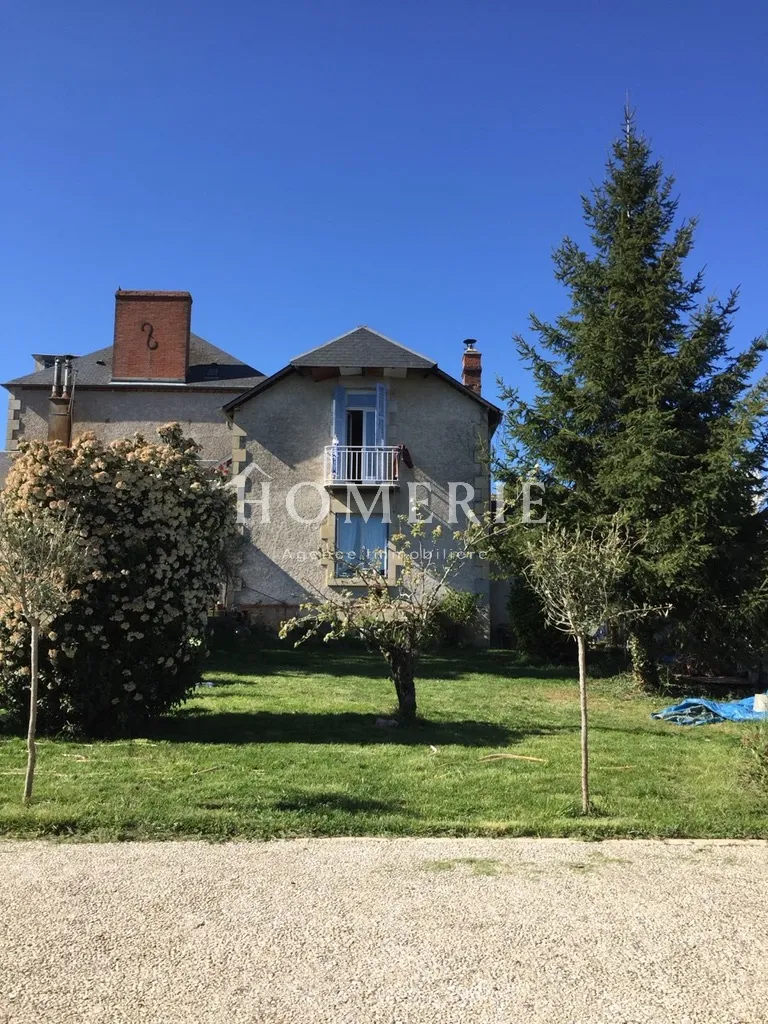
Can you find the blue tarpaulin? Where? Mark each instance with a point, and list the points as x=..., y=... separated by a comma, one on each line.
x=700, y=711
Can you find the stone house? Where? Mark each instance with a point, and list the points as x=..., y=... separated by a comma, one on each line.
x=360, y=419
x=155, y=371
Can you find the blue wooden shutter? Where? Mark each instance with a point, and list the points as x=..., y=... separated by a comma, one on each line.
x=340, y=415
x=381, y=414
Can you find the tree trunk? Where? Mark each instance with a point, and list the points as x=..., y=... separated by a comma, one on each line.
x=582, y=642
x=402, y=667
x=642, y=653
x=31, y=747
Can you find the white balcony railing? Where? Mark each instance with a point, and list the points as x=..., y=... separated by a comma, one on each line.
x=346, y=464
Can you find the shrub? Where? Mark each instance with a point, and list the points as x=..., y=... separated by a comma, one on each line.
x=159, y=529
x=455, y=617
x=533, y=638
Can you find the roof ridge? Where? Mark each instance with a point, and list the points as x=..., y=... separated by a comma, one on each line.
x=371, y=330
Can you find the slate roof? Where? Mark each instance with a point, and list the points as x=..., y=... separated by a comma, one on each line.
x=95, y=370
x=368, y=349
x=363, y=347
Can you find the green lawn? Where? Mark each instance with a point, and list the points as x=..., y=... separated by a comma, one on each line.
x=286, y=745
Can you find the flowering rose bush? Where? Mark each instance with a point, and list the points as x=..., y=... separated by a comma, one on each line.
x=159, y=530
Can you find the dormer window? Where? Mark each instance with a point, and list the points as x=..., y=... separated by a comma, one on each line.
x=212, y=371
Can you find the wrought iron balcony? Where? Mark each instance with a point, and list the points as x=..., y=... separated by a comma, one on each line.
x=347, y=464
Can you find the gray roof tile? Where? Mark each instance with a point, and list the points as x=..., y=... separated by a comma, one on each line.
x=363, y=347
x=95, y=369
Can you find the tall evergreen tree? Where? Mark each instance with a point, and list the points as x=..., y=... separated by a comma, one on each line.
x=642, y=409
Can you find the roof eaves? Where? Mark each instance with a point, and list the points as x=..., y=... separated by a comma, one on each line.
x=267, y=382
x=494, y=412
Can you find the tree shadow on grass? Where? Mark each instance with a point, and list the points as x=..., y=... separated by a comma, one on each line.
x=350, y=804
x=329, y=661
x=340, y=660
x=192, y=725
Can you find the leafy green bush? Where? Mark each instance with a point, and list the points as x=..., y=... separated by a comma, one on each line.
x=455, y=617
x=533, y=637
x=159, y=529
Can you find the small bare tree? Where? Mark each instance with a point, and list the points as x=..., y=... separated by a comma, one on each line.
x=577, y=577
x=40, y=555
x=400, y=621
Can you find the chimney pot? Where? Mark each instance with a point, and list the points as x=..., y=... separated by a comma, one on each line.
x=471, y=366
x=68, y=375
x=56, y=388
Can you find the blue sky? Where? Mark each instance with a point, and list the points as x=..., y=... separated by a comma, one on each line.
x=305, y=167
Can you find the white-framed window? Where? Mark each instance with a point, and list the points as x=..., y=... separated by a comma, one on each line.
x=359, y=417
x=360, y=543
x=360, y=423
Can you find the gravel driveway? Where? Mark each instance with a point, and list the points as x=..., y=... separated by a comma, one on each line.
x=371, y=930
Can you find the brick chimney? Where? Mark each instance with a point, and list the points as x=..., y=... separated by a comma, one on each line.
x=151, y=336
x=471, y=366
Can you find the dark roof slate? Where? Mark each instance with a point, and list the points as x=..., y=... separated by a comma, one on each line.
x=363, y=347
x=95, y=370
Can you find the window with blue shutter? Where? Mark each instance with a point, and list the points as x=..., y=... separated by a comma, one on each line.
x=374, y=406
x=339, y=415
x=381, y=414
x=360, y=543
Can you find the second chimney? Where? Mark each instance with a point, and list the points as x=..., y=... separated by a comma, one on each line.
x=151, y=336
x=471, y=366
x=61, y=401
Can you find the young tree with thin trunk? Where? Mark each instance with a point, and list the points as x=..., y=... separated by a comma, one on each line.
x=40, y=556
x=578, y=576
x=399, y=621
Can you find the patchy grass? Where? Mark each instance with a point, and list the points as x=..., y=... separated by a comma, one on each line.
x=286, y=745
x=477, y=865
x=755, y=743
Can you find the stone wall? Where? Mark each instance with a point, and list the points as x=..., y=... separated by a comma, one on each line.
x=112, y=413
x=282, y=434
